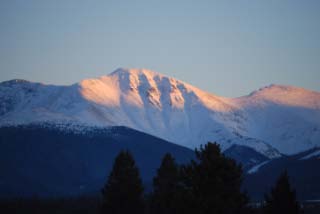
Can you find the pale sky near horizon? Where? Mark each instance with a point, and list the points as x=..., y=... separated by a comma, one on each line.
x=229, y=48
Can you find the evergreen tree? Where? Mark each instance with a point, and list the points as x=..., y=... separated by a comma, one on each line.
x=214, y=183
x=123, y=192
x=165, y=195
x=282, y=198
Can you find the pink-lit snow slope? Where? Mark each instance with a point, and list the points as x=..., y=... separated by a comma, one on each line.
x=276, y=117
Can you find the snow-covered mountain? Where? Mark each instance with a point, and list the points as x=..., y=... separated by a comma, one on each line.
x=271, y=120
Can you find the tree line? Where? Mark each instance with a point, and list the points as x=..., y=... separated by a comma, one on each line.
x=209, y=184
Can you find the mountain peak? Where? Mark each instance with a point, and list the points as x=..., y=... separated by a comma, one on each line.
x=142, y=87
x=284, y=95
x=279, y=89
x=135, y=71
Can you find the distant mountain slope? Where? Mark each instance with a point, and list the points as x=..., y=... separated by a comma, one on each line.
x=247, y=156
x=286, y=117
x=273, y=119
x=303, y=170
x=42, y=161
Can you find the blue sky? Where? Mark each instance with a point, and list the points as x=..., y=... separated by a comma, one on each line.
x=229, y=48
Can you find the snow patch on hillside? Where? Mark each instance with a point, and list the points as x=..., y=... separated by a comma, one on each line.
x=257, y=167
x=312, y=155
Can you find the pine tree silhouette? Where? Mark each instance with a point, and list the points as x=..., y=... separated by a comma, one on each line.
x=165, y=196
x=123, y=192
x=214, y=181
x=282, y=198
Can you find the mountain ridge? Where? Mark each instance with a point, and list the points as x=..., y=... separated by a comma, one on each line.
x=276, y=117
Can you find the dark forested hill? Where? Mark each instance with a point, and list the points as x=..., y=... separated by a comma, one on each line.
x=40, y=161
